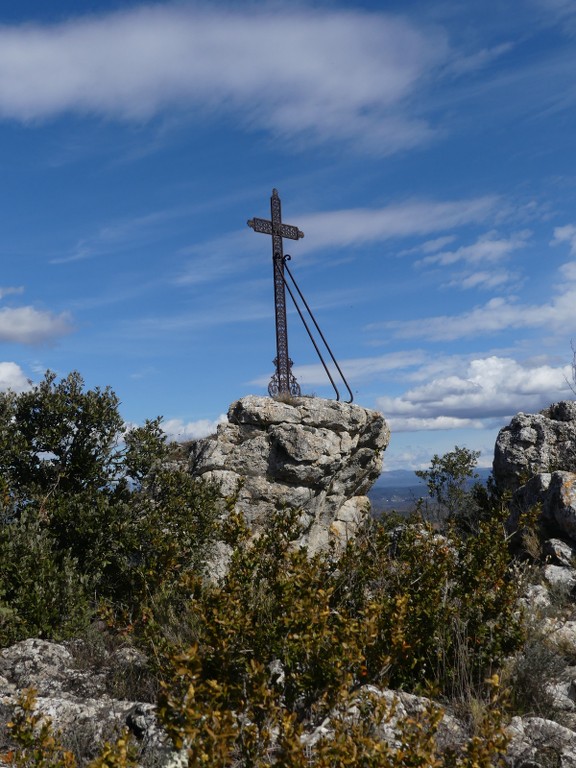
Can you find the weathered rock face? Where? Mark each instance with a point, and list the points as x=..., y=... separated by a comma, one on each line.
x=77, y=697
x=555, y=493
x=318, y=456
x=535, y=443
x=535, y=458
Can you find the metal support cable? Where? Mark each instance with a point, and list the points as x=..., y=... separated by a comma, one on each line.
x=310, y=334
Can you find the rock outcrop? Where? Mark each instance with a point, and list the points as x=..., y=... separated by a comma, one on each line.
x=317, y=456
x=535, y=459
x=537, y=443
x=74, y=691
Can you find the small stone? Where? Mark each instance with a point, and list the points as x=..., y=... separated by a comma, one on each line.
x=560, y=577
x=558, y=552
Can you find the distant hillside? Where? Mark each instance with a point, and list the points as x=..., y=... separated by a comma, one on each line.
x=400, y=489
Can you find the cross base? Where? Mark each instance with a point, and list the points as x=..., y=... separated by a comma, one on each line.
x=291, y=387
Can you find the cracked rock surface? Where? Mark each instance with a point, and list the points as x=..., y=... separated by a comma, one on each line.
x=318, y=456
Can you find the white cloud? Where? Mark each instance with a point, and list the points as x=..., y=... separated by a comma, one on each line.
x=490, y=390
x=558, y=11
x=488, y=249
x=218, y=313
x=12, y=377
x=26, y=325
x=568, y=272
x=430, y=246
x=470, y=63
x=178, y=430
x=482, y=279
x=299, y=71
x=124, y=233
x=496, y=315
x=435, y=423
x=566, y=234
x=354, y=369
x=223, y=256
x=357, y=226
x=217, y=259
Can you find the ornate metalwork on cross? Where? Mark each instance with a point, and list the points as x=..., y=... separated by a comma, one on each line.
x=283, y=381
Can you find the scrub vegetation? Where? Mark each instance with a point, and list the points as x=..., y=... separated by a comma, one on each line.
x=103, y=531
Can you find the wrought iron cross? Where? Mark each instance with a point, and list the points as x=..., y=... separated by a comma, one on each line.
x=283, y=381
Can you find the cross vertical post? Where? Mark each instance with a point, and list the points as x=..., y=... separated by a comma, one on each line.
x=283, y=381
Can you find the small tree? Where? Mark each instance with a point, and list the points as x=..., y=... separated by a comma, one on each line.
x=448, y=480
x=89, y=512
x=59, y=436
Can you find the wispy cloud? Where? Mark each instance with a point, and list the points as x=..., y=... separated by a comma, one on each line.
x=566, y=234
x=238, y=251
x=430, y=246
x=217, y=312
x=496, y=315
x=10, y=291
x=482, y=279
x=467, y=63
x=122, y=234
x=562, y=12
x=358, y=226
x=352, y=75
x=217, y=258
x=488, y=249
x=355, y=369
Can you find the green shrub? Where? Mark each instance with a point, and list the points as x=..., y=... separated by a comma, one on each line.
x=276, y=605
x=285, y=639
x=449, y=482
x=89, y=514
x=43, y=591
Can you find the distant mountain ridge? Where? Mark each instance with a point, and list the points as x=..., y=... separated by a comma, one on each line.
x=399, y=489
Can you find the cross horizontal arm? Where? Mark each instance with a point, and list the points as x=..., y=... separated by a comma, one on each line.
x=261, y=225
x=284, y=230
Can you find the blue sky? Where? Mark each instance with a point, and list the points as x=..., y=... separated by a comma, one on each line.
x=426, y=150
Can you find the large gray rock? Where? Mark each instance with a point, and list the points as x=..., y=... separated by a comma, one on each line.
x=317, y=456
x=531, y=444
x=535, y=458
x=539, y=742
x=553, y=497
x=77, y=697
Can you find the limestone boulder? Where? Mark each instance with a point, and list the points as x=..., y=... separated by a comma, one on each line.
x=77, y=697
x=538, y=443
x=314, y=455
x=553, y=495
x=535, y=741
